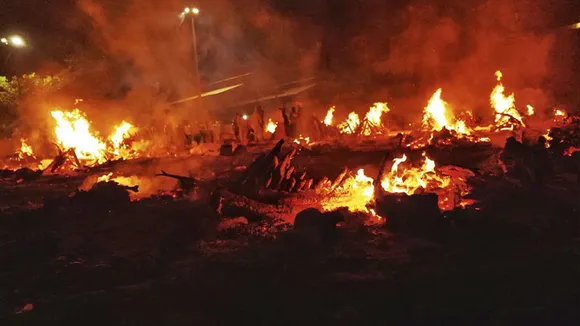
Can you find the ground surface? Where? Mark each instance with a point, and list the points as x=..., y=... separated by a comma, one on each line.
x=107, y=261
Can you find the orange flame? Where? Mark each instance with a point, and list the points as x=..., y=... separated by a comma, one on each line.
x=438, y=116
x=329, y=116
x=504, y=106
x=271, y=126
x=121, y=133
x=373, y=117
x=25, y=149
x=301, y=140
x=530, y=110
x=350, y=125
x=356, y=193
x=73, y=131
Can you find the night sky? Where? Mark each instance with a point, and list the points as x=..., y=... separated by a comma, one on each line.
x=354, y=35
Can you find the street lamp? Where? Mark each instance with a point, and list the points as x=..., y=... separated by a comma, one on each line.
x=15, y=41
x=191, y=13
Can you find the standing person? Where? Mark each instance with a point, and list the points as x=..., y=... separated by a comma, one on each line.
x=257, y=125
x=236, y=126
x=286, y=120
x=243, y=129
x=188, y=134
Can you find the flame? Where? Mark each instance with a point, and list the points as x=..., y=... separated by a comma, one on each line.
x=410, y=180
x=548, y=138
x=301, y=140
x=373, y=117
x=350, y=125
x=356, y=193
x=438, y=116
x=73, y=131
x=530, y=110
x=271, y=126
x=122, y=132
x=504, y=106
x=329, y=116
x=105, y=177
x=25, y=149
x=559, y=113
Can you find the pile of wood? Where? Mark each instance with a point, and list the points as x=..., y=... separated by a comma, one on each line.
x=275, y=171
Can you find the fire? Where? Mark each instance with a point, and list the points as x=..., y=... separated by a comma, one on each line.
x=410, y=180
x=438, y=116
x=271, y=126
x=350, y=125
x=505, y=110
x=301, y=140
x=356, y=192
x=25, y=149
x=373, y=117
x=73, y=131
x=530, y=110
x=329, y=116
x=559, y=113
x=547, y=138
x=121, y=133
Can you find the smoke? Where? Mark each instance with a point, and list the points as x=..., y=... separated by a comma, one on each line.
x=458, y=47
x=155, y=43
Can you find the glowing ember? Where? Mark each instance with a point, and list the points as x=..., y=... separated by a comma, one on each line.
x=301, y=140
x=438, y=116
x=559, y=113
x=271, y=126
x=329, y=116
x=350, y=125
x=530, y=110
x=505, y=110
x=571, y=151
x=548, y=138
x=73, y=131
x=373, y=117
x=25, y=150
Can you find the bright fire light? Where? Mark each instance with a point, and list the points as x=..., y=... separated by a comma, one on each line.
x=73, y=131
x=437, y=116
x=530, y=110
x=505, y=109
x=373, y=117
x=271, y=126
x=25, y=149
x=350, y=125
x=329, y=116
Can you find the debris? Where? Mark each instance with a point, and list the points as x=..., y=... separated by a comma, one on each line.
x=186, y=184
x=232, y=223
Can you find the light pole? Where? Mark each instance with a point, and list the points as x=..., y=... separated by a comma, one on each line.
x=191, y=13
x=13, y=41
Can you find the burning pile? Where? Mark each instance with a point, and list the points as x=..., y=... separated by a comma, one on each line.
x=437, y=116
x=371, y=125
x=507, y=117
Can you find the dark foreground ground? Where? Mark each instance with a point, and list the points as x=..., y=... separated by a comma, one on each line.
x=108, y=261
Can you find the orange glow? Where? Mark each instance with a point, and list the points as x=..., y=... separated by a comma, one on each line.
x=301, y=140
x=356, y=192
x=530, y=110
x=437, y=116
x=122, y=132
x=504, y=107
x=373, y=118
x=73, y=131
x=25, y=150
x=271, y=126
x=350, y=125
x=559, y=113
x=329, y=116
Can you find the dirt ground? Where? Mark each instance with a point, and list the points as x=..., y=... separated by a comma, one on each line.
x=105, y=260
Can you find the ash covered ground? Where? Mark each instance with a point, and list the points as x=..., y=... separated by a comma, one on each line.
x=97, y=257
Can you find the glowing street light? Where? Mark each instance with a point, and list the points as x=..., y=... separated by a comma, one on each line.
x=14, y=40
x=187, y=10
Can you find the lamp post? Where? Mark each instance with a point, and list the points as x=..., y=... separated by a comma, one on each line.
x=191, y=13
x=13, y=41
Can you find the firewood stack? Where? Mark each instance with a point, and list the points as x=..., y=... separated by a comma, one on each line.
x=275, y=171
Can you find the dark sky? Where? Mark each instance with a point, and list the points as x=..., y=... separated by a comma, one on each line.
x=54, y=28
